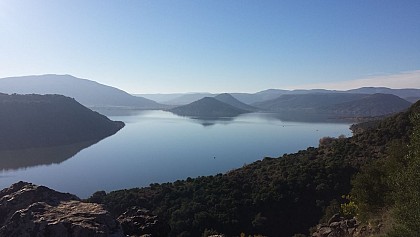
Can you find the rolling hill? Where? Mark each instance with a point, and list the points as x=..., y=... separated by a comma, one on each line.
x=29, y=121
x=305, y=101
x=187, y=98
x=337, y=104
x=87, y=92
x=208, y=107
x=371, y=105
x=230, y=100
x=411, y=95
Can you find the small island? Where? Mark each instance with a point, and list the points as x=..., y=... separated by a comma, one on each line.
x=208, y=107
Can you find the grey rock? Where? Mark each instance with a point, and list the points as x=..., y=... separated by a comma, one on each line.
x=351, y=223
x=342, y=227
x=334, y=218
x=140, y=222
x=335, y=225
x=324, y=231
x=30, y=210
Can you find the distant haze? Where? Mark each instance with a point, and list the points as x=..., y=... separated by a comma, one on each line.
x=214, y=46
x=87, y=92
x=402, y=80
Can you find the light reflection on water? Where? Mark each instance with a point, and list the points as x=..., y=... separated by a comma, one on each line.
x=157, y=146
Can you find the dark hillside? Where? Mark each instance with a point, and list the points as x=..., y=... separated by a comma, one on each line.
x=274, y=197
x=306, y=101
x=371, y=105
x=230, y=100
x=208, y=107
x=28, y=121
x=337, y=105
x=402, y=93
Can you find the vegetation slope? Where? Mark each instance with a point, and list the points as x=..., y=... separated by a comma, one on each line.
x=276, y=196
x=387, y=190
x=337, y=104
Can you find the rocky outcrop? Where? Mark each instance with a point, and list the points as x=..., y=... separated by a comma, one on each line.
x=140, y=222
x=339, y=226
x=30, y=210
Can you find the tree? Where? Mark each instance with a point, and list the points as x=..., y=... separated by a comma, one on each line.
x=407, y=189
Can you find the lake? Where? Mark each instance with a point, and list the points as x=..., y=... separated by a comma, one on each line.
x=158, y=146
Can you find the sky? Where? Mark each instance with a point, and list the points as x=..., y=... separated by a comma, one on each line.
x=215, y=46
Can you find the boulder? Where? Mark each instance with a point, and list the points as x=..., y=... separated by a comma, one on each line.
x=341, y=227
x=140, y=222
x=334, y=218
x=30, y=210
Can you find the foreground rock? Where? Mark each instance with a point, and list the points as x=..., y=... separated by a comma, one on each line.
x=140, y=222
x=345, y=227
x=30, y=210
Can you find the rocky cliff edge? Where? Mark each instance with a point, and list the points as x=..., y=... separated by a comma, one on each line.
x=30, y=210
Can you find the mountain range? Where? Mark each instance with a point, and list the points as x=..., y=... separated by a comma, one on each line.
x=338, y=104
x=326, y=105
x=411, y=95
x=361, y=102
x=89, y=93
x=230, y=100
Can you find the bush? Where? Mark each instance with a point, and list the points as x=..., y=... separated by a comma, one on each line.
x=407, y=189
x=349, y=209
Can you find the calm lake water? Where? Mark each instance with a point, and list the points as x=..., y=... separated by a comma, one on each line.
x=158, y=146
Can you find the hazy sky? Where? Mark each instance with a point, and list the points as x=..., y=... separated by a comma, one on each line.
x=214, y=45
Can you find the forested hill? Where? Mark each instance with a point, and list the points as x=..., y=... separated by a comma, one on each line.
x=337, y=104
x=28, y=121
x=208, y=107
x=274, y=197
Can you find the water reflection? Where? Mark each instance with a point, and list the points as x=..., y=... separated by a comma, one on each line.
x=22, y=159
x=118, y=111
x=207, y=122
x=285, y=116
x=159, y=147
x=304, y=116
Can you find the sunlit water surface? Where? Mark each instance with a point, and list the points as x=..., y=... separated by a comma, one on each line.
x=157, y=146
